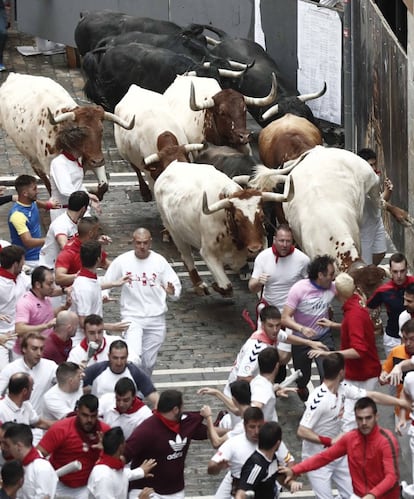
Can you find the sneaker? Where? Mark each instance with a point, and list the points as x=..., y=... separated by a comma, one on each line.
x=2, y=67
x=303, y=394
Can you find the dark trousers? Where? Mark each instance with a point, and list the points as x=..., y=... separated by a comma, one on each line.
x=304, y=363
x=3, y=32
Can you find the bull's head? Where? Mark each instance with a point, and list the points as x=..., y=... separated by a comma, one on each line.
x=225, y=122
x=244, y=216
x=90, y=119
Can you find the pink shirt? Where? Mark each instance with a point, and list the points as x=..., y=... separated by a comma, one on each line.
x=33, y=311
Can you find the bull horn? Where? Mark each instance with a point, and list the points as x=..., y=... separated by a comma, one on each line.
x=287, y=195
x=119, y=121
x=206, y=105
x=263, y=101
x=241, y=65
x=241, y=179
x=316, y=95
x=212, y=41
x=270, y=112
x=229, y=73
x=194, y=147
x=190, y=73
x=152, y=158
x=62, y=117
x=219, y=205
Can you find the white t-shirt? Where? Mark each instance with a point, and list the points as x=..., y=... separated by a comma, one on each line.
x=10, y=293
x=9, y=411
x=66, y=176
x=262, y=391
x=324, y=412
x=237, y=450
x=40, y=480
x=144, y=296
x=57, y=404
x=78, y=354
x=86, y=299
x=107, y=483
x=128, y=422
x=62, y=225
x=282, y=275
x=43, y=374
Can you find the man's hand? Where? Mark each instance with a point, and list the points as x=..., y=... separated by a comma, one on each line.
x=289, y=475
x=96, y=205
x=120, y=282
x=205, y=411
x=50, y=324
x=104, y=239
x=383, y=378
x=5, y=318
x=146, y=493
x=4, y=338
x=308, y=332
x=295, y=486
x=401, y=425
x=395, y=376
x=169, y=288
x=207, y=391
x=263, y=278
x=147, y=466
x=314, y=354
x=318, y=345
x=284, y=392
x=119, y=327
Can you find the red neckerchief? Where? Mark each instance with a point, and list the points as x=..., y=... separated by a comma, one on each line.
x=136, y=406
x=71, y=157
x=87, y=273
x=32, y=455
x=88, y=438
x=113, y=462
x=262, y=336
x=171, y=425
x=8, y=275
x=278, y=255
x=84, y=345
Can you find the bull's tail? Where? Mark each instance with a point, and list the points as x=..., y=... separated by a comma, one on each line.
x=265, y=179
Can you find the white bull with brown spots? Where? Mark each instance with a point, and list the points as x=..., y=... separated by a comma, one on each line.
x=204, y=209
x=31, y=111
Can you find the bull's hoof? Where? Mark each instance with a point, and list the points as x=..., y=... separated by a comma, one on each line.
x=102, y=189
x=226, y=292
x=201, y=289
x=166, y=238
x=245, y=272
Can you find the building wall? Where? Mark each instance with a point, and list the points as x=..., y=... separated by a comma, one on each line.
x=409, y=234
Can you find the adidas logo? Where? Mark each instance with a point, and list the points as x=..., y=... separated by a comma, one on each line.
x=178, y=444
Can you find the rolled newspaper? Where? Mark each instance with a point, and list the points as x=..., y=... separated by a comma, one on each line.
x=93, y=347
x=69, y=468
x=291, y=379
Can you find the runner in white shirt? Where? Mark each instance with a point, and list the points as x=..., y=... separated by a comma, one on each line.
x=95, y=346
x=42, y=371
x=87, y=290
x=63, y=228
x=275, y=271
x=321, y=425
x=123, y=408
x=143, y=299
x=61, y=399
x=40, y=479
x=109, y=478
x=236, y=450
x=13, y=285
x=409, y=306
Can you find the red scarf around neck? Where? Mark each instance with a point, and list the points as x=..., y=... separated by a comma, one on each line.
x=113, y=462
x=8, y=275
x=84, y=345
x=136, y=406
x=87, y=273
x=172, y=425
x=71, y=157
x=31, y=456
x=278, y=255
x=262, y=336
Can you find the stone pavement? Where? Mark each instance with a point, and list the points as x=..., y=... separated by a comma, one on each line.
x=204, y=333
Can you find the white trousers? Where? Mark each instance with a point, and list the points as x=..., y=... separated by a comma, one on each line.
x=144, y=337
x=224, y=489
x=337, y=471
x=5, y=357
x=134, y=493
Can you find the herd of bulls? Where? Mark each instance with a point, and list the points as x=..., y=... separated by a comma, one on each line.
x=170, y=90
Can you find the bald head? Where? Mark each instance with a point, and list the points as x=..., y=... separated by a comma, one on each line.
x=142, y=243
x=66, y=324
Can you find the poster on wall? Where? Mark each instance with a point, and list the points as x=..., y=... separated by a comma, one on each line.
x=320, y=59
x=259, y=36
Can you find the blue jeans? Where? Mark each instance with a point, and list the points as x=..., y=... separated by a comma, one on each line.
x=3, y=32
